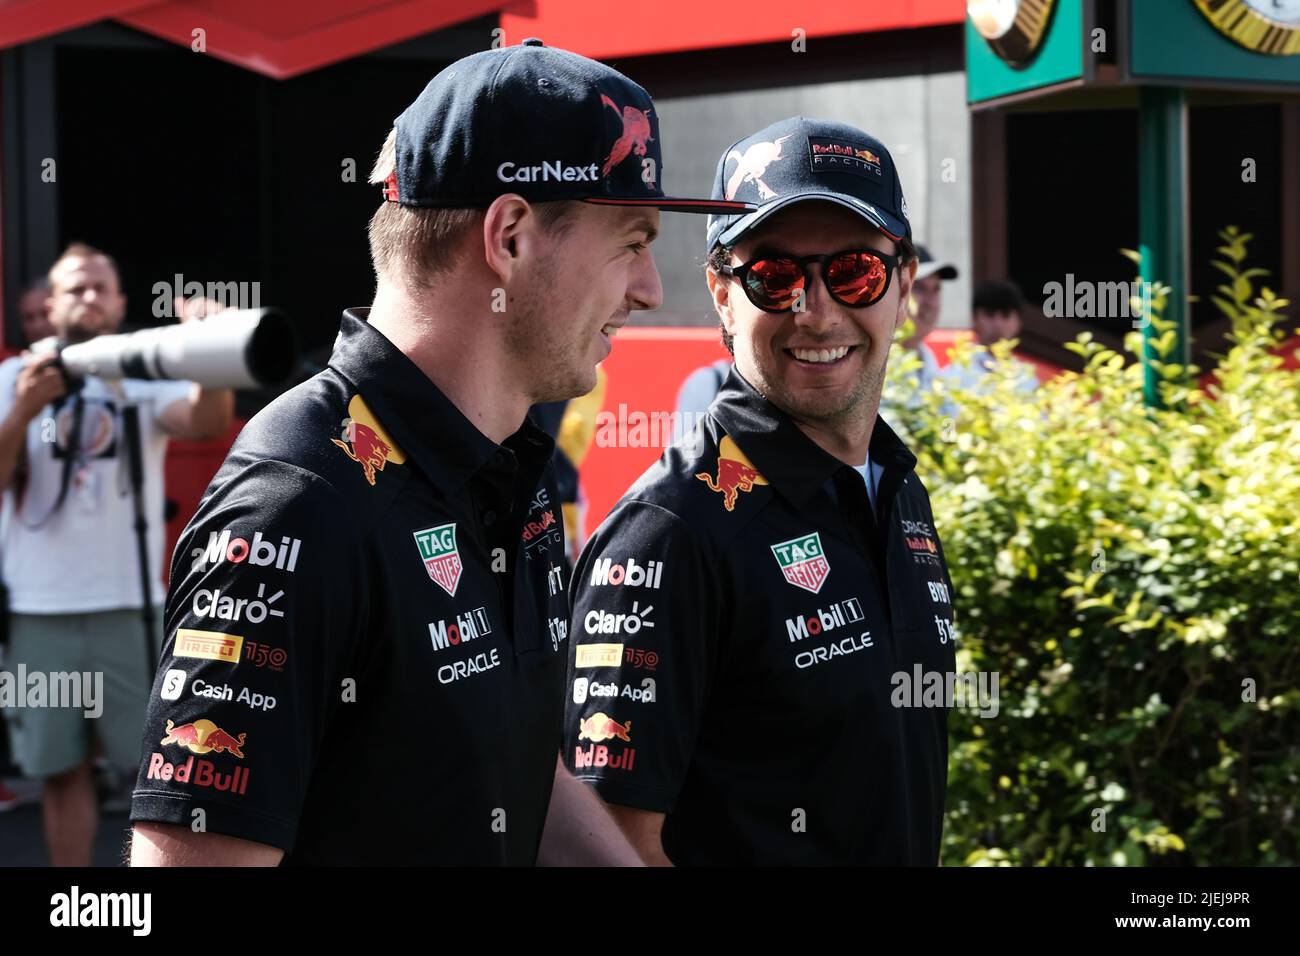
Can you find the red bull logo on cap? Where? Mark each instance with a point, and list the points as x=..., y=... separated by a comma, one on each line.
x=633, y=139
x=600, y=726
x=803, y=562
x=736, y=473
x=441, y=556
x=365, y=441
x=202, y=737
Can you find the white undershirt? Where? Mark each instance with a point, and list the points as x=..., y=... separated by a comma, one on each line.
x=870, y=473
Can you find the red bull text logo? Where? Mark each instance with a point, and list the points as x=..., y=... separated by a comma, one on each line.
x=441, y=556
x=366, y=442
x=203, y=737
x=540, y=525
x=598, y=756
x=843, y=157
x=202, y=774
x=803, y=562
x=600, y=726
x=735, y=474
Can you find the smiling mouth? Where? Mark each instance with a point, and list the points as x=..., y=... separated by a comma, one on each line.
x=821, y=356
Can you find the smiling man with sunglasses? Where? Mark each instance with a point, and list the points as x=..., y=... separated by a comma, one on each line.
x=757, y=619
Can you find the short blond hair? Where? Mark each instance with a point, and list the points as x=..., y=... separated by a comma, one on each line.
x=421, y=242
x=82, y=250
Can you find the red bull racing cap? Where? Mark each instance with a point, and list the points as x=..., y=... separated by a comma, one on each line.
x=538, y=121
x=799, y=159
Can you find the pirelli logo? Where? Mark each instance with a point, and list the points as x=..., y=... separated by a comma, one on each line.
x=599, y=655
x=208, y=645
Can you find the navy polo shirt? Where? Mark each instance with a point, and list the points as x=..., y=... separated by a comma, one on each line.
x=739, y=620
x=365, y=630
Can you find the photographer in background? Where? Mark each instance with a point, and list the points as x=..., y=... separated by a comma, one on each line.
x=69, y=554
x=34, y=311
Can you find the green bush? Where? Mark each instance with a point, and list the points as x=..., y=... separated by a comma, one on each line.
x=1131, y=575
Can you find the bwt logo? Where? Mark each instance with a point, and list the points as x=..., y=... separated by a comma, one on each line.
x=604, y=571
x=466, y=627
x=605, y=622
x=261, y=553
x=822, y=620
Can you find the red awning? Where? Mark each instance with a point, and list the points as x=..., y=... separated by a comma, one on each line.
x=288, y=37
x=608, y=30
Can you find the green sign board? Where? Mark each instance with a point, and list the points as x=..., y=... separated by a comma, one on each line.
x=1057, y=56
x=1210, y=42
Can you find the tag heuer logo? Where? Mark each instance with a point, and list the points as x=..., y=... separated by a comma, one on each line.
x=802, y=562
x=440, y=555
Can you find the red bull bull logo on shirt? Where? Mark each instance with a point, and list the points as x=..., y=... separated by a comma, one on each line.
x=736, y=473
x=202, y=737
x=441, y=556
x=366, y=442
x=600, y=726
x=803, y=562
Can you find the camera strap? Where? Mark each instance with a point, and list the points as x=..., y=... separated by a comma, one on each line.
x=71, y=454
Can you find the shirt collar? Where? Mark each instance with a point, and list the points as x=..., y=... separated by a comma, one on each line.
x=426, y=425
x=793, y=463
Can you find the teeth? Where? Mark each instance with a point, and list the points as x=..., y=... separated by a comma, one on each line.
x=821, y=355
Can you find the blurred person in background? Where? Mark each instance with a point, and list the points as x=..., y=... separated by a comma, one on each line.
x=902, y=389
x=34, y=311
x=996, y=311
x=69, y=558
x=33, y=314
x=696, y=394
x=927, y=302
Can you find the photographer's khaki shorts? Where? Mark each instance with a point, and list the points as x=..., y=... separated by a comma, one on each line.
x=49, y=740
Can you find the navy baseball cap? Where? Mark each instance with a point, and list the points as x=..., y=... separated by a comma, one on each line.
x=541, y=122
x=799, y=159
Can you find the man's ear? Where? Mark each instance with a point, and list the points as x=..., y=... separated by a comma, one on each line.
x=509, y=235
x=906, y=276
x=720, y=290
